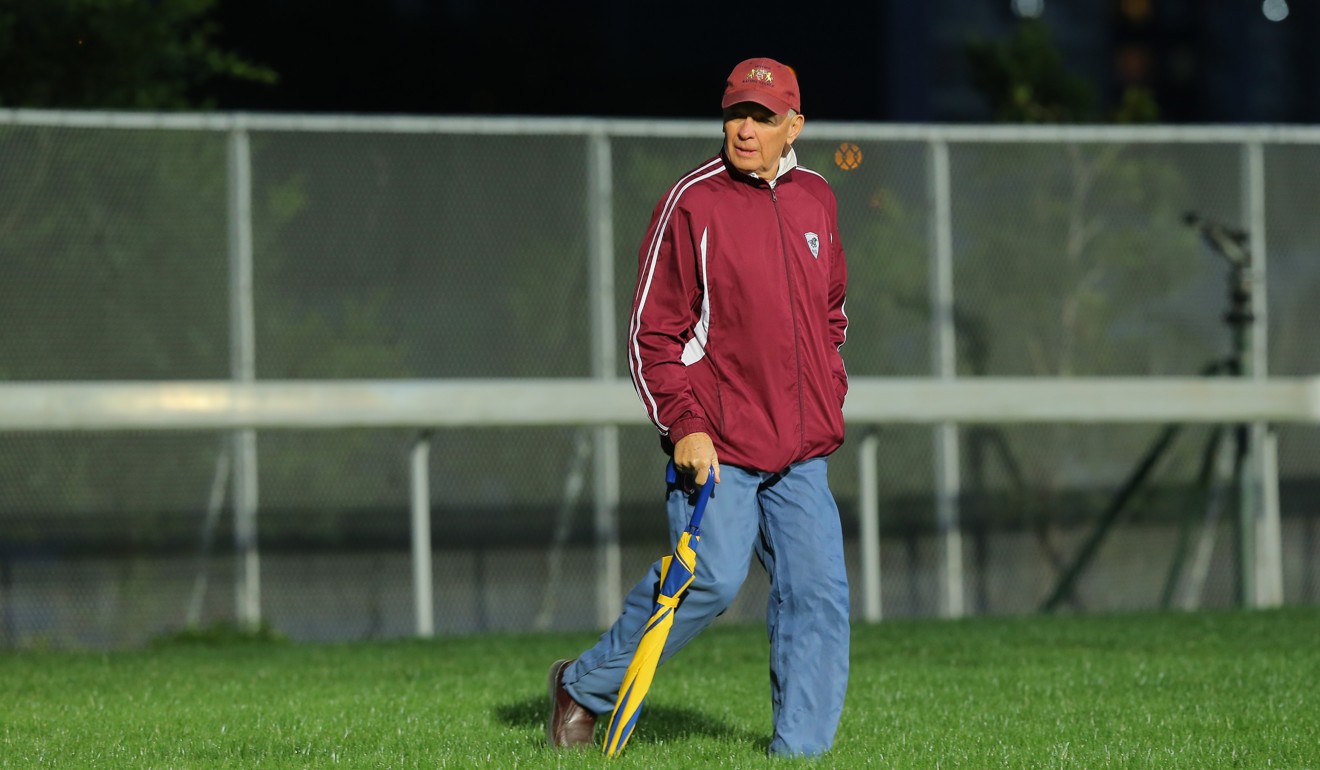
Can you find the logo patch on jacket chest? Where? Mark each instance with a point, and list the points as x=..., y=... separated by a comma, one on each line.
x=813, y=243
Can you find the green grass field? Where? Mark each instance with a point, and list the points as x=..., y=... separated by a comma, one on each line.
x=1205, y=690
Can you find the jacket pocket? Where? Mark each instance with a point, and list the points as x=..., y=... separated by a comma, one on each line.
x=706, y=389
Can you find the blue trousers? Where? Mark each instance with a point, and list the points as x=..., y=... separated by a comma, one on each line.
x=790, y=522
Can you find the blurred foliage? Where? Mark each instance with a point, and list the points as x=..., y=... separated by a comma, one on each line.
x=127, y=276
x=1026, y=80
x=116, y=243
x=1095, y=250
x=114, y=54
x=1096, y=240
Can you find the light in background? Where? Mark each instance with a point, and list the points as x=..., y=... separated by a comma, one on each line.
x=1275, y=10
x=1029, y=9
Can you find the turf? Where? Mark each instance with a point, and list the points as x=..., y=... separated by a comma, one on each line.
x=1204, y=690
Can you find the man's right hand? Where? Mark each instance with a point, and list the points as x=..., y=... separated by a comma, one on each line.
x=694, y=454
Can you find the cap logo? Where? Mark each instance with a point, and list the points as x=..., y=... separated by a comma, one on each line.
x=760, y=75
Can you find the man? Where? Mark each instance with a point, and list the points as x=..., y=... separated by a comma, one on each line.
x=733, y=347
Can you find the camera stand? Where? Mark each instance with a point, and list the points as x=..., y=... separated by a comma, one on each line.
x=1223, y=457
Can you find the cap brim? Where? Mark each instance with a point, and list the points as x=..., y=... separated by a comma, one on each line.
x=779, y=106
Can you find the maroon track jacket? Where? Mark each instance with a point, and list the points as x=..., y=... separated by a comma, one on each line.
x=738, y=316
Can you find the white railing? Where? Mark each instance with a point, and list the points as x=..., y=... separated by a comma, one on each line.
x=243, y=407
x=334, y=404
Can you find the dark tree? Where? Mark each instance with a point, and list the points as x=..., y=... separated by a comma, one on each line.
x=114, y=54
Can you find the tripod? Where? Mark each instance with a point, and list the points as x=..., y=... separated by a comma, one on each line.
x=1223, y=458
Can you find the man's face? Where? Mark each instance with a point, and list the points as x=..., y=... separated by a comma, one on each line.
x=755, y=138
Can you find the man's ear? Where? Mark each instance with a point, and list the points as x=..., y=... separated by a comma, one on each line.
x=795, y=128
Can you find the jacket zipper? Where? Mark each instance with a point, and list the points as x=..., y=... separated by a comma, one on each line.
x=792, y=312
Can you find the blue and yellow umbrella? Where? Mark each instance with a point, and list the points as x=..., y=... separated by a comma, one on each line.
x=676, y=573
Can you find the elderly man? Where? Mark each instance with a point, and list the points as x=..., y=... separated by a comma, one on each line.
x=733, y=346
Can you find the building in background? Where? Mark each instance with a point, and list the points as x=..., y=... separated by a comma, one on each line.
x=1204, y=62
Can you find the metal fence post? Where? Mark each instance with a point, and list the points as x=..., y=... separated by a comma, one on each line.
x=600, y=229
x=945, y=364
x=1262, y=549
x=242, y=363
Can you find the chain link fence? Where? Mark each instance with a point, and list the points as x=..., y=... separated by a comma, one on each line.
x=456, y=249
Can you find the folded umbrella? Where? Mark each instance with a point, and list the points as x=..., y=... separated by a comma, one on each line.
x=676, y=573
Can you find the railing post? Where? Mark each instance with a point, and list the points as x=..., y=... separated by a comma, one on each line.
x=868, y=513
x=421, y=535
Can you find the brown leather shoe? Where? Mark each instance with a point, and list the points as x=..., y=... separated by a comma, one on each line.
x=570, y=726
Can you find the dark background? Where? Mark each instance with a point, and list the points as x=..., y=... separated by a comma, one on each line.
x=1205, y=61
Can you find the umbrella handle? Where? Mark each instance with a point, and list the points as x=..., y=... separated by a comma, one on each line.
x=703, y=496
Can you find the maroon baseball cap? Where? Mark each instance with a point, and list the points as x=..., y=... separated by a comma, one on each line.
x=766, y=82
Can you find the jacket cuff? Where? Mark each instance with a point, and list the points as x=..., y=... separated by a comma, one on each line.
x=686, y=426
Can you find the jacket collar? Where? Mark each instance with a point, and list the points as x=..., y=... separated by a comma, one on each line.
x=786, y=164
